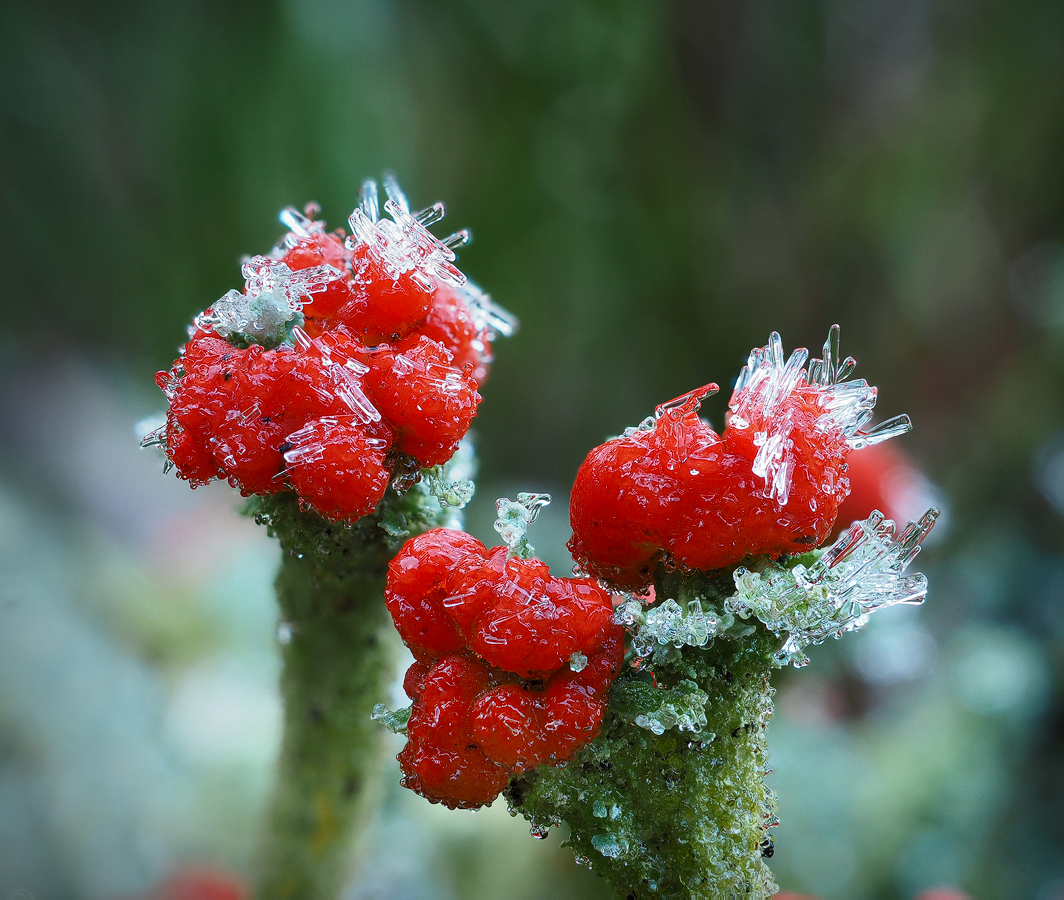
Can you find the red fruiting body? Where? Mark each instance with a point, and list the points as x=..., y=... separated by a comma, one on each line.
x=674, y=491
x=450, y=322
x=513, y=666
x=386, y=305
x=337, y=466
x=427, y=400
x=387, y=349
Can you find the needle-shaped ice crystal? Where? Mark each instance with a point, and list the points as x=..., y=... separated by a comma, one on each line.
x=762, y=400
x=858, y=574
x=403, y=243
x=273, y=297
x=514, y=519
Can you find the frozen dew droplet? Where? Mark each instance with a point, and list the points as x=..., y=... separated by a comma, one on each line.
x=284, y=633
x=578, y=662
x=538, y=832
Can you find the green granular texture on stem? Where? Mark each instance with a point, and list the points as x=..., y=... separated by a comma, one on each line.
x=682, y=814
x=337, y=664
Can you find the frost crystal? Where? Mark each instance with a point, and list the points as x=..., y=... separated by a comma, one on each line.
x=858, y=574
x=666, y=623
x=514, y=519
x=768, y=381
x=487, y=313
x=273, y=297
x=394, y=720
x=674, y=410
x=404, y=243
x=449, y=493
x=346, y=374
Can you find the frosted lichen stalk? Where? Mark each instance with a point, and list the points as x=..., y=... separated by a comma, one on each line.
x=676, y=807
x=858, y=574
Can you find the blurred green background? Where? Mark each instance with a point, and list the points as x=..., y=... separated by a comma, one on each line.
x=653, y=188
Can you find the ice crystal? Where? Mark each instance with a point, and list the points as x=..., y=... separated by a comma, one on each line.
x=666, y=623
x=858, y=574
x=394, y=720
x=514, y=519
x=682, y=707
x=449, y=493
x=674, y=410
x=346, y=374
x=761, y=398
x=272, y=299
x=487, y=314
x=403, y=243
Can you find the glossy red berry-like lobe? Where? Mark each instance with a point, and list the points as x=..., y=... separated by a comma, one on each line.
x=673, y=491
x=386, y=305
x=679, y=489
x=441, y=760
x=546, y=648
x=428, y=402
x=630, y=492
x=450, y=322
x=420, y=577
x=337, y=466
x=367, y=329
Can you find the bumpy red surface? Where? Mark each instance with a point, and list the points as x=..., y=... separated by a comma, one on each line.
x=427, y=400
x=493, y=690
x=681, y=491
x=232, y=410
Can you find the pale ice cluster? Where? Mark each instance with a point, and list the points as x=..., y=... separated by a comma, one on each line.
x=768, y=380
x=858, y=574
x=666, y=623
x=403, y=244
x=272, y=298
x=514, y=519
x=682, y=707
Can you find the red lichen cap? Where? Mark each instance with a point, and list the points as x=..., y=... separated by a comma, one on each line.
x=513, y=665
x=342, y=362
x=771, y=484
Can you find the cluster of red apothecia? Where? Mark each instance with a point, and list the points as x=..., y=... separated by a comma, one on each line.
x=384, y=346
x=512, y=665
x=674, y=490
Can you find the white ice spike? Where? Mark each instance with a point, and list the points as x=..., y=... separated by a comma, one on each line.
x=858, y=574
x=761, y=398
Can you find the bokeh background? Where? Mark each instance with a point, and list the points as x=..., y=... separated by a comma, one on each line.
x=653, y=188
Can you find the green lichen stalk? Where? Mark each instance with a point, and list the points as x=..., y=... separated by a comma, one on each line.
x=669, y=801
x=337, y=663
